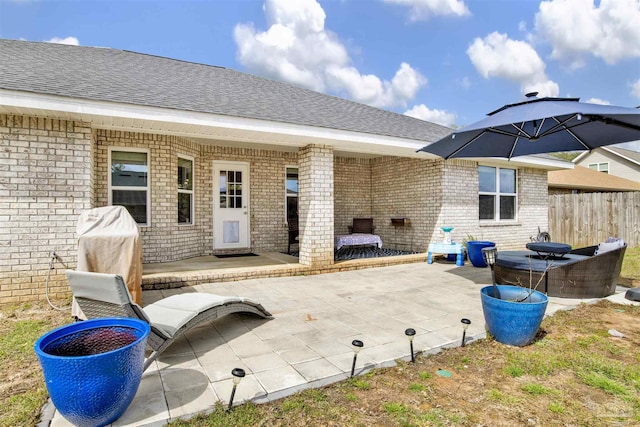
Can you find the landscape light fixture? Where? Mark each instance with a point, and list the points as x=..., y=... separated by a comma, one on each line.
x=489, y=254
x=357, y=346
x=238, y=375
x=465, y=325
x=411, y=333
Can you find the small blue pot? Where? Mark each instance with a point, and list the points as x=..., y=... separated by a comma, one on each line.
x=510, y=322
x=474, y=251
x=92, y=369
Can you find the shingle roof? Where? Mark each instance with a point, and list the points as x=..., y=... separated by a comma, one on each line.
x=106, y=74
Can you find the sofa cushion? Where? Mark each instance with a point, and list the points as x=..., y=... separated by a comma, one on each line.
x=609, y=245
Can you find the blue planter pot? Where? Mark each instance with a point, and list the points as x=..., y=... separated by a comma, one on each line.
x=92, y=369
x=511, y=322
x=474, y=251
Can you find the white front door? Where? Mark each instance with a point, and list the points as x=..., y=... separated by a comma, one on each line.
x=230, y=205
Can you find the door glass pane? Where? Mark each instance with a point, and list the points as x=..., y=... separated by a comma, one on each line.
x=185, y=174
x=128, y=169
x=223, y=182
x=292, y=181
x=487, y=207
x=507, y=180
x=223, y=201
x=487, y=179
x=292, y=208
x=507, y=207
x=134, y=201
x=184, y=208
x=239, y=176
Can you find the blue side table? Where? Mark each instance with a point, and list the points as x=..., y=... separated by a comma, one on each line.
x=446, y=248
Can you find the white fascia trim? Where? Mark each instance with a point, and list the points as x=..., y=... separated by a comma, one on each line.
x=68, y=105
x=581, y=155
x=621, y=155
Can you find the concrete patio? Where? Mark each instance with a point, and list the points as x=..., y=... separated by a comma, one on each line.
x=307, y=343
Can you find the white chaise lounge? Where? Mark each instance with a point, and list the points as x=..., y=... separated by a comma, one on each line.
x=106, y=295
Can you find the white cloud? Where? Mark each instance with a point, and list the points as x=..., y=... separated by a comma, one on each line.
x=597, y=101
x=635, y=88
x=576, y=28
x=297, y=48
x=421, y=10
x=67, y=40
x=442, y=117
x=498, y=56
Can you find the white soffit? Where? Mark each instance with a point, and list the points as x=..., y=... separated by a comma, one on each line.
x=211, y=128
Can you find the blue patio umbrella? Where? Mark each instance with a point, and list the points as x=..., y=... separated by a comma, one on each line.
x=541, y=125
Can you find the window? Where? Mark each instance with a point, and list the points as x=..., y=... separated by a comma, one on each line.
x=185, y=190
x=600, y=167
x=129, y=182
x=497, y=193
x=292, y=193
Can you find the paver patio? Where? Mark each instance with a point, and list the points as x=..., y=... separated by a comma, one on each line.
x=308, y=342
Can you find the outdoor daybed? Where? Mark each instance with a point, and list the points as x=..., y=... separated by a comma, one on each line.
x=579, y=274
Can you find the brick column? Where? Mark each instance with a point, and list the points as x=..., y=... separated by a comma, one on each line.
x=315, y=205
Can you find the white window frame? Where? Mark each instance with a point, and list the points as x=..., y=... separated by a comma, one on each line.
x=192, y=191
x=599, y=167
x=287, y=195
x=496, y=194
x=129, y=188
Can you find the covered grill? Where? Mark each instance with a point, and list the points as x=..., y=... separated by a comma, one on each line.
x=109, y=242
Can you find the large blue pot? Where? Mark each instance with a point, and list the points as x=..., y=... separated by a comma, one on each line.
x=93, y=368
x=511, y=322
x=474, y=251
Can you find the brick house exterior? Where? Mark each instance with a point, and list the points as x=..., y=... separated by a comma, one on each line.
x=54, y=163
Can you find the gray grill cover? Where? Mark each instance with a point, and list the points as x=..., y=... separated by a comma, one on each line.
x=109, y=242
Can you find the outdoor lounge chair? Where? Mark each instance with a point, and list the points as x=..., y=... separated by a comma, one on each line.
x=106, y=295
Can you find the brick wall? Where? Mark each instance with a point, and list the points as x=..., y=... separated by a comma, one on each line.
x=165, y=240
x=460, y=207
x=45, y=182
x=408, y=188
x=352, y=192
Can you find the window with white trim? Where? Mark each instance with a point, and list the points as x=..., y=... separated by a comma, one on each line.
x=600, y=167
x=129, y=181
x=291, y=192
x=498, y=198
x=185, y=190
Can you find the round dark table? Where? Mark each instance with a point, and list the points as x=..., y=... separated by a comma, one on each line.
x=549, y=249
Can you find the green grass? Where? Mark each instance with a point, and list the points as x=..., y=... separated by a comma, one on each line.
x=631, y=264
x=556, y=408
x=22, y=407
x=417, y=387
x=538, y=389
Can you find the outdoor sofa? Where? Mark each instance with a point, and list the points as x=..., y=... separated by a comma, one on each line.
x=587, y=272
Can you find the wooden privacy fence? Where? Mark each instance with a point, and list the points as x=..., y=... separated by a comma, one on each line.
x=589, y=218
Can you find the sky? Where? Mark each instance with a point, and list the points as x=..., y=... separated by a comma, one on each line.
x=445, y=61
